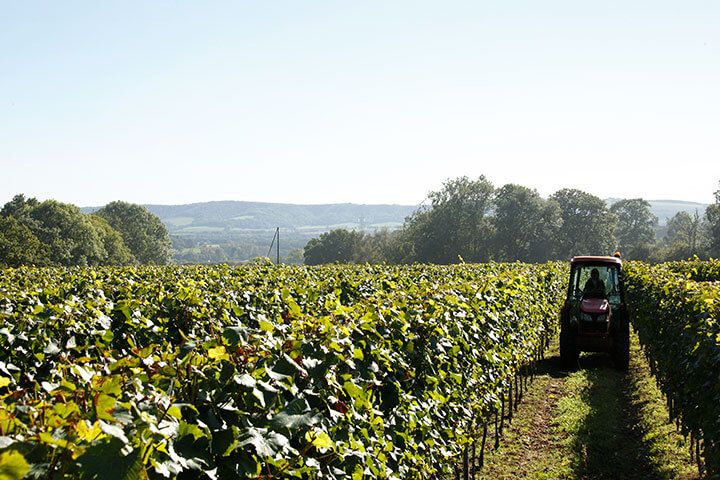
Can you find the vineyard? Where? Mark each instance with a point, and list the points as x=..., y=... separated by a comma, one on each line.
x=295, y=372
x=678, y=321
x=262, y=372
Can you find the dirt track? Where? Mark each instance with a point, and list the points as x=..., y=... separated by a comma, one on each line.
x=591, y=423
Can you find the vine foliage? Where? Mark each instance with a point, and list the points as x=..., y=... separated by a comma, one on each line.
x=261, y=372
x=678, y=322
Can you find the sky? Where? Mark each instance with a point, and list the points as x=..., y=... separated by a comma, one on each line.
x=173, y=102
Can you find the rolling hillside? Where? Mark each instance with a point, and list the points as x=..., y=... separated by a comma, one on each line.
x=666, y=209
x=250, y=216
x=238, y=216
x=235, y=231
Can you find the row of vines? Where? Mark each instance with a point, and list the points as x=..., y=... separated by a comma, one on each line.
x=262, y=372
x=698, y=270
x=676, y=311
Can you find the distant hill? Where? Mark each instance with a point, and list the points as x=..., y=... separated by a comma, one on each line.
x=243, y=216
x=235, y=231
x=249, y=216
x=666, y=209
x=237, y=216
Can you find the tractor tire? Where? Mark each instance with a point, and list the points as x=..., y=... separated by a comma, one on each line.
x=568, y=350
x=621, y=351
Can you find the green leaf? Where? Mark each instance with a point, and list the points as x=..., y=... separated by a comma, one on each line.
x=49, y=387
x=114, y=431
x=358, y=354
x=266, y=444
x=13, y=465
x=218, y=353
x=190, y=429
x=105, y=460
x=353, y=390
x=110, y=385
x=108, y=336
x=175, y=412
x=48, y=438
x=259, y=395
x=125, y=311
x=85, y=373
x=292, y=422
x=245, y=380
x=266, y=326
x=233, y=336
x=105, y=406
x=322, y=440
x=51, y=348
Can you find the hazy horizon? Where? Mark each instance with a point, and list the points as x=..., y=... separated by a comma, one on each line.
x=371, y=103
x=315, y=204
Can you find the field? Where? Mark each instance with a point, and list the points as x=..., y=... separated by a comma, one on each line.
x=338, y=372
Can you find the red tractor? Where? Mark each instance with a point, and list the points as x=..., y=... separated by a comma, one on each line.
x=595, y=316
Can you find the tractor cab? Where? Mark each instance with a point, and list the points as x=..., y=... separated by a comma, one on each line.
x=594, y=317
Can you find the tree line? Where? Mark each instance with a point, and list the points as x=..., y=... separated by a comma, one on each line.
x=52, y=233
x=472, y=221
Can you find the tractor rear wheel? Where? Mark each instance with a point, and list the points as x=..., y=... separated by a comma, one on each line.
x=568, y=350
x=621, y=351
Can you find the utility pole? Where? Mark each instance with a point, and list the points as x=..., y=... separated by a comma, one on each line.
x=276, y=238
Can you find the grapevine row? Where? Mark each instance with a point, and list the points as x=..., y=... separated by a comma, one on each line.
x=698, y=270
x=262, y=372
x=678, y=322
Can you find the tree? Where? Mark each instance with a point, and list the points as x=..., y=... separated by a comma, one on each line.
x=55, y=233
x=338, y=245
x=115, y=252
x=525, y=224
x=143, y=233
x=18, y=245
x=294, y=256
x=635, y=227
x=19, y=206
x=379, y=247
x=712, y=215
x=684, y=239
x=456, y=223
x=588, y=227
x=686, y=229
x=67, y=234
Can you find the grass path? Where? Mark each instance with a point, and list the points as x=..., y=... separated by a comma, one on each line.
x=591, y=423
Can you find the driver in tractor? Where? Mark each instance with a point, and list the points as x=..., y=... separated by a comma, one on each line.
x=594, y=287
